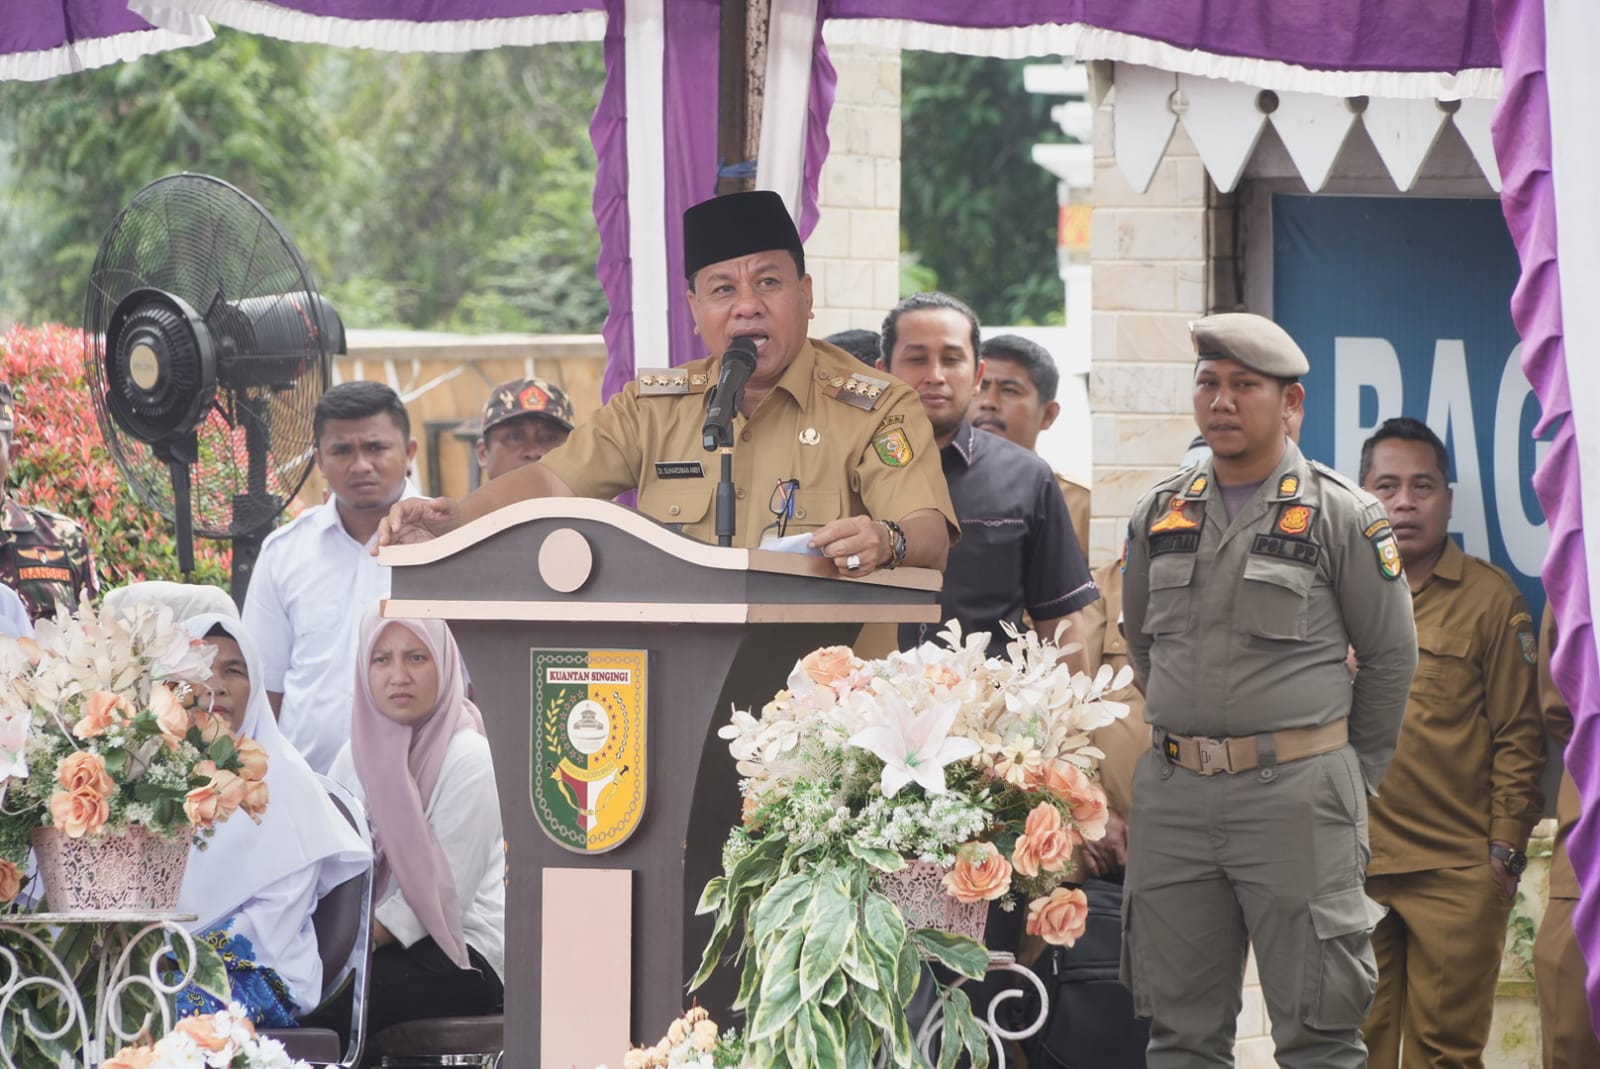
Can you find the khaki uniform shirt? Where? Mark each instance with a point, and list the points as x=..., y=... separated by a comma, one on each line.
x=1242, y=628
x=1078, y=508
x=1472, y=748
x=1122, y=740
x=858, y=445
x=45, y=558
x=1558, y=725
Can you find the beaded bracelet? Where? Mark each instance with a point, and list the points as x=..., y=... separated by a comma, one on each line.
x=897, y=545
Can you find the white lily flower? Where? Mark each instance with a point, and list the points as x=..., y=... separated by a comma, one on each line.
x=914, y=747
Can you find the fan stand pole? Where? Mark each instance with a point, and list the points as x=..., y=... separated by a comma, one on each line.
x=183, y=511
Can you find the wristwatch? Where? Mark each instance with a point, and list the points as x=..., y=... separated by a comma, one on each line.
x=1516, y=861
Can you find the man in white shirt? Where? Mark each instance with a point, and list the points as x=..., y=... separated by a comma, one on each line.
x=316, y=575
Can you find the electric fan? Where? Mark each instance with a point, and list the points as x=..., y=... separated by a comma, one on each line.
x=208, y=348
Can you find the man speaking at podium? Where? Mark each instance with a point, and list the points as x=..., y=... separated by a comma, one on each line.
x=819, y=446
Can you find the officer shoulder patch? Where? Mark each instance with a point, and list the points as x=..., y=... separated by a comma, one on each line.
x=893, y=448
x=1381, y=535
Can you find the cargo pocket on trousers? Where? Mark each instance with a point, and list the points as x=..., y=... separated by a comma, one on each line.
x=1341, y=972
x=1133, y=972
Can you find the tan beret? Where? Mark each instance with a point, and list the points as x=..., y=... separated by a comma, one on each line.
x=1255, y=341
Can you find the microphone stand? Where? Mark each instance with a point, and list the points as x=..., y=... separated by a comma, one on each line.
x=725, y=498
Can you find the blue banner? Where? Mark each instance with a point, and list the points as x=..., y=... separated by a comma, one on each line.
x=1402, y=305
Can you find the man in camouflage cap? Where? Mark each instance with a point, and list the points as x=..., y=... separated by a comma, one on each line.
x=44, y=556
x=522, y=421
x=1246, y=579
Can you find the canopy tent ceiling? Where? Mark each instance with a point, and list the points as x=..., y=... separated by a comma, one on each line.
x=662, y=64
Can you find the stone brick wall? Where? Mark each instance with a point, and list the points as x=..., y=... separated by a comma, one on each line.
x=1157, y=265
x=854, y=253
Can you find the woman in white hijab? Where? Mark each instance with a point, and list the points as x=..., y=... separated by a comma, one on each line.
x=184, y=599
x=252, y=888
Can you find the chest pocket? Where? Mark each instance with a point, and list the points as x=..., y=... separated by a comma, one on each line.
x=678, y=506
x=1444, y=665
x=813, y=509
x=1272, y=600
x=1171, y=598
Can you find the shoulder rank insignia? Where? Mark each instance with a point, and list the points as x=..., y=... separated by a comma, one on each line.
x=1197, y=486
x=860, y=391
x=1288, y=486
x=1381, y=535
x=670, y=382
x=1175, y=519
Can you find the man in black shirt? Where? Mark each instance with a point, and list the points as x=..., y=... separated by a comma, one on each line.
x=1017, y=550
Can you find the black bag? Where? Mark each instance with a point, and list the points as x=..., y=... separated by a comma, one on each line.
x=1091, y=1023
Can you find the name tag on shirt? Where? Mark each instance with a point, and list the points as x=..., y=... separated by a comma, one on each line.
x=680, y=469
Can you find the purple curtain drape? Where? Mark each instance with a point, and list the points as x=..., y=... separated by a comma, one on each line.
x=46, y=38
x=1522, y=142
x=1318, y=34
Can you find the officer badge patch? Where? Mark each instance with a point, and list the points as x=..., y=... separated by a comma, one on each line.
x=1289, y=486
x=1197, y=486
x=1388, y=550
x=1530, y=646
x=1175, y=520
x=1295, y=519
x=893, y=448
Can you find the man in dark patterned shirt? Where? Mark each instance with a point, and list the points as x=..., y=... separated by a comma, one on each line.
x=44, y=556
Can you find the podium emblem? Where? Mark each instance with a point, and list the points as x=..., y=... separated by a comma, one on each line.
x=589, y=733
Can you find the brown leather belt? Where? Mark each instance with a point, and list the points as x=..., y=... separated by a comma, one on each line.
x=1210, y=756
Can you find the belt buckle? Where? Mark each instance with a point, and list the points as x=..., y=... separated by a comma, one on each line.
x=1214, y=756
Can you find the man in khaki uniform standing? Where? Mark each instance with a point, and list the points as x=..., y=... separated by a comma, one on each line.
x=1247, y=578
x=1559, y=969
x=821, y=448
x=1462, y=794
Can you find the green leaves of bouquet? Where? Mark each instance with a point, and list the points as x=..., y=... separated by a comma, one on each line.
x=828, y=963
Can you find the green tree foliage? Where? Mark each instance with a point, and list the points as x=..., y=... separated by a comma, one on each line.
x=240, y=108
x=468, y=205
x=975, y=210
x=425, y=191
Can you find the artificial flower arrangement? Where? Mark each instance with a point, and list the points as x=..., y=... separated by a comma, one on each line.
x=692, y=1042
x=96, y=736
x=222, y=1040
x=855, y=771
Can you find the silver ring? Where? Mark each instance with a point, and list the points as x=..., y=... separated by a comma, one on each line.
x=852, y=562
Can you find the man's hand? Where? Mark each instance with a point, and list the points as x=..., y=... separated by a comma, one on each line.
x=1502, y=875
x=859, y=537
x=418, y=519
x=1108, y=856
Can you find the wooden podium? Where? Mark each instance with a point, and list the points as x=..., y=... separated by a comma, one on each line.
x=570, y=611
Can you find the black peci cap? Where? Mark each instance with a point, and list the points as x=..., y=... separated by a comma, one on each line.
x=735, y=225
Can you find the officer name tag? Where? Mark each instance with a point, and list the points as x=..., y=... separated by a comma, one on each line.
x=680, y=469
x=1163, y=542
x=1293, y=549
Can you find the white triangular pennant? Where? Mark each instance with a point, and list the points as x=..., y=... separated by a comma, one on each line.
x=1472, y=120
x=1222, y=120
x=1144, y=121
x=1403, y=132
x=1312, y=127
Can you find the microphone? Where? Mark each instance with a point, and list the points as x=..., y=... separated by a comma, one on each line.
x=738, y=364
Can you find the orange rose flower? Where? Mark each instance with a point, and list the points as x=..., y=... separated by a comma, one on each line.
x=204, y=1032
x=1045, y=843
x=132, y=1058
x=1061, y=918
x=980, y=874
x=230, y=790
x=10, y=880
x=79, y=813
x=252, y=759
x=170, y=714
x=941, y=675
x=1083, y=796
x=1061, y=778
x=201, y=805
x=83, y=771
x=100, y=713
x=829, y=664
x=255, y=799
